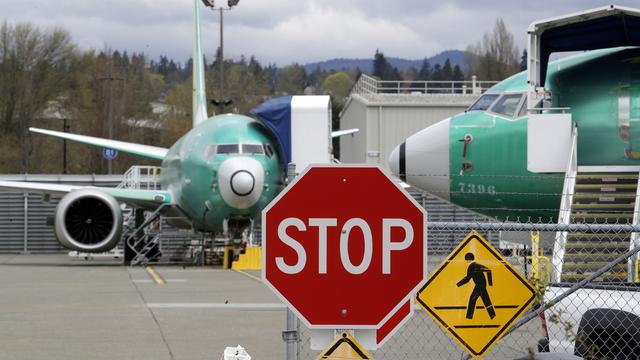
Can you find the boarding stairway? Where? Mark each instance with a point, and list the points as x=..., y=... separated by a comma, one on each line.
x=599, y=198
x=596, y=195
x=151, y=238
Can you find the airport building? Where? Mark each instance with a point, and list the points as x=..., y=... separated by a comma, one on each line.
x=387, y=112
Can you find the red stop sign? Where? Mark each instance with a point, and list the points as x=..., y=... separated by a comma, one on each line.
x=344, y=247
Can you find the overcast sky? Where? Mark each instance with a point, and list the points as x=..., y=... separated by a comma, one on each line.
x=286, y=31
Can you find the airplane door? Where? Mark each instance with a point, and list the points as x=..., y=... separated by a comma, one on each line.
x=629, y=120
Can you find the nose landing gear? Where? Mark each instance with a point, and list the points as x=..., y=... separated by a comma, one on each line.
x=237, y=236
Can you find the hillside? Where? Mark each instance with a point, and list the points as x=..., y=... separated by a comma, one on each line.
x=365, y=65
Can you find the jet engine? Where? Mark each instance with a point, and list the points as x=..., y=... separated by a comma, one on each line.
x=88, y=220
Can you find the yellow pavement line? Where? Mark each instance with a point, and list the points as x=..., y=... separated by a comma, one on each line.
x=248, y=275
x=155, y=276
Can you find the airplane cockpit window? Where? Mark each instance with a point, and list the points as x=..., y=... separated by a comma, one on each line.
x=523, y=108
x=483, y=103
x=209, y=150
x=252, y=149
x=507, y=105
x=268, y=150
x=228, y=149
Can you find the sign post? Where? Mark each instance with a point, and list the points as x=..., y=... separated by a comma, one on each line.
x=345, y=248
x=476, y=295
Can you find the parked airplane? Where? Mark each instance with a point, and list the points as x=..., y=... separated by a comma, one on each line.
x=479, y=159
x=218, y=177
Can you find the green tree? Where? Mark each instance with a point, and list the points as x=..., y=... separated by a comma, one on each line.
x=523, y=60
x=424, y=73
x=458, y=75
x=380, y=65
x=338, y=85
x=291, y=80
x=382, y=69
x=437, y=75
x=34, y=67
x=447, y=70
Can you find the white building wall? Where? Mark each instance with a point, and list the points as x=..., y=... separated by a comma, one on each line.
x=353, y=148
x=384, y=125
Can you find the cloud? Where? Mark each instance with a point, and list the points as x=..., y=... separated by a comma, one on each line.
x=286, y=31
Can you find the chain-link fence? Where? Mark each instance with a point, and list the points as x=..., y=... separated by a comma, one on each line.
x=588, y=301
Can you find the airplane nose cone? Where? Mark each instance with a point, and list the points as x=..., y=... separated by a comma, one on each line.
x=422, y=160
x=242, y=183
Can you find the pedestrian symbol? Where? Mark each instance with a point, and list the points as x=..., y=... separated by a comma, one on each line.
x=475, y=295
x=476, y=272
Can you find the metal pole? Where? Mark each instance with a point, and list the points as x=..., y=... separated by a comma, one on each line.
x=514, y=226
x=221, y=60
x=290, y=335
x=109, y=161
x=64, y=147
x=25, y=248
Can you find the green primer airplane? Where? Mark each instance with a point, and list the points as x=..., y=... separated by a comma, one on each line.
x=478, y=159
x=218, y=177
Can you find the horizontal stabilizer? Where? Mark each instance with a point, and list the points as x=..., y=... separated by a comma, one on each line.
x=152, y=152
x=340, y=133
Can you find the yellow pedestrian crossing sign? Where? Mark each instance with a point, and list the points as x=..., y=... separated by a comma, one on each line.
x=475, y=295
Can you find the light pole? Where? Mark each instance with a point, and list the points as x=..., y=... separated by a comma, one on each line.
x=111, y=79
x=221, y=102
x=56, y=110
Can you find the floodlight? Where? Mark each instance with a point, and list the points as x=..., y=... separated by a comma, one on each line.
x=232, y=3
x=209, y=3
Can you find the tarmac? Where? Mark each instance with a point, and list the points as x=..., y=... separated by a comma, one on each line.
x=56, y=307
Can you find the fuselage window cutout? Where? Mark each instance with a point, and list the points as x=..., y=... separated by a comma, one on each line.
x=483, y=103
x=228, y=149
x=253, y=149
x=507, y=105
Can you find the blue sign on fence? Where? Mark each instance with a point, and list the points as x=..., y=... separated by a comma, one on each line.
x=109, y=154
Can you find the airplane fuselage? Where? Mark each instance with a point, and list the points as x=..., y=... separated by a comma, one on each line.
x=478, y=159
x=222, y=173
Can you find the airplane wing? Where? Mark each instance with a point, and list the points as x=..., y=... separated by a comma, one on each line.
x=147, y=151
x=148, y=199
x=335, y=134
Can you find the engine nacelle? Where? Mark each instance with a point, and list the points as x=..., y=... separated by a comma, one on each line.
x=88, y=220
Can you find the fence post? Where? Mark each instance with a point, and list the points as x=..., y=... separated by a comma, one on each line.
x=474, y=89
x=25, y=246
x=290, y=336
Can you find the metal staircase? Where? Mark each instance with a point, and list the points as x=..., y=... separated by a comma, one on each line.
x=141, y=177
x=599, y=198
x=144, y=241
x=593, y=197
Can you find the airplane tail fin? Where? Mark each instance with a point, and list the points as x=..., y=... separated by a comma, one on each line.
x=199, y=105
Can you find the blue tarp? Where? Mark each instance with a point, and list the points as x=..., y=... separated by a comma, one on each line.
x=620, y=29
x=275, y=114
